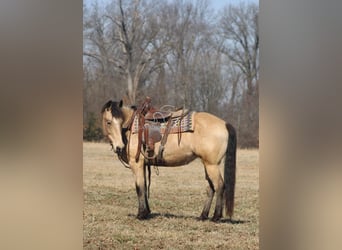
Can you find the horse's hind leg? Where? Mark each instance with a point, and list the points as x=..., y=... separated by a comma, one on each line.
x=210, y=193
x=215, y=178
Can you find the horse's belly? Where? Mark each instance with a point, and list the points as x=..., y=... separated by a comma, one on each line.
x=177, y=157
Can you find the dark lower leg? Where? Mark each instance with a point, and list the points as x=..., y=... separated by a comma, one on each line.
x=141, y=188
x=215, y=180
x=207, y=204
x=219, y=203
x=143, y=209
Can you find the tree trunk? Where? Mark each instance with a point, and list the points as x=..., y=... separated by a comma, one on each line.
x=130, y=89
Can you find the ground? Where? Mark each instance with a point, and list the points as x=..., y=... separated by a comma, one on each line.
x=176, y=200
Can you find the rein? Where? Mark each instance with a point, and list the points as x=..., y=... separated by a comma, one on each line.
x=120, y=157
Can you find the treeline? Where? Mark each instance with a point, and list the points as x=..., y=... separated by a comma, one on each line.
x=178, y=52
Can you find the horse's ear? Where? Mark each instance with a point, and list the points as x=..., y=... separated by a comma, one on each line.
x=120, y=104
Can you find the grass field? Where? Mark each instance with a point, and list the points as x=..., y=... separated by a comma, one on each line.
x=176, y=200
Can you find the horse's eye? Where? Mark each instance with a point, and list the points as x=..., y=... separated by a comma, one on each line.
x=109, y=123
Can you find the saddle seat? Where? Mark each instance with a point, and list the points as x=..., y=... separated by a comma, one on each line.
x=154, y=114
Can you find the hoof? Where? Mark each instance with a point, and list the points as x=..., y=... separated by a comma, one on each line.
x=217, y=216
x=215, y=219
x=143, y=215
x=203, y=217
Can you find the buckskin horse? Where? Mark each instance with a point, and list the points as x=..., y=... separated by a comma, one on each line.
x=141, y=136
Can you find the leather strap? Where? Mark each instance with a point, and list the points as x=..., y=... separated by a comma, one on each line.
x=141, y=122
x=163, y=140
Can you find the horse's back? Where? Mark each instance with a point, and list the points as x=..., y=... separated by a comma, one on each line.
x=209, y=121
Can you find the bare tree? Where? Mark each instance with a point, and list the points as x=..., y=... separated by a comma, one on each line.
x=135, y=32
x=179, y=53
x=98, y=53
x=185, y=28
x=122, y=43
x=239, y=26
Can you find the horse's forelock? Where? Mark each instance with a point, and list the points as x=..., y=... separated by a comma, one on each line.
x=116, y=110
x=106, y=106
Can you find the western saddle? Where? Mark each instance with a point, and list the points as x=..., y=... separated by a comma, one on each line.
x=149, y=124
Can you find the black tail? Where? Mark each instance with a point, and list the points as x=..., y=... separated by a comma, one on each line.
x=229, y=170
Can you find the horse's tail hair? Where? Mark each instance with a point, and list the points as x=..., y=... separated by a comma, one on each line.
x=229, y=170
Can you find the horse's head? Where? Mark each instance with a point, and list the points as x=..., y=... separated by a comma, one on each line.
x=112, y=120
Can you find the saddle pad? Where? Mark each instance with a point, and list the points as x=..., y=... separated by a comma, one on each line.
x=186, y=124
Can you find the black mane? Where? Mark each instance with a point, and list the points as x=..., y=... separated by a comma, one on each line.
x=106, y=106
x=115, y=108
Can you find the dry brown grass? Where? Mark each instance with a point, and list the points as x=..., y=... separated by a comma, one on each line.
x=177, y=197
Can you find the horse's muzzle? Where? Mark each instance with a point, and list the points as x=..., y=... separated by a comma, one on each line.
x=118, y=150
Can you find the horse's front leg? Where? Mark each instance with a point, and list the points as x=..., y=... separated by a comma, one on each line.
x=141, y=189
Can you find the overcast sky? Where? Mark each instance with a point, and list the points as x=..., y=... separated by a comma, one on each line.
x=216, y=4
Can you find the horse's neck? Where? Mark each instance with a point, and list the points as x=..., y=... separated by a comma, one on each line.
x=128, y=113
